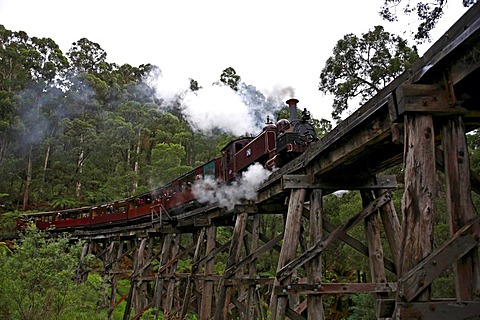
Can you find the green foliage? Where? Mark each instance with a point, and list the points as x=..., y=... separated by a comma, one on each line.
x=444, y=286
x=4, y=249
x=123, y=286
x=184, y=265
x=428, y=13
x=230, y=78
x=36, y=281
x=8, y=224
x=86, y=56
x=64, y=203
x=363, y=307
x=166, y=162
x=149, y=315
x=361, y=66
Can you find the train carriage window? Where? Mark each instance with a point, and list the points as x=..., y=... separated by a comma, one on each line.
x=209, y=170
x=83, y=214
x=239, y=146
x=228, y=155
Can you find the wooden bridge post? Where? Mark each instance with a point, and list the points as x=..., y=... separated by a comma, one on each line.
x=82, y=271
x=252, y=301
x=418, y=198
x=108, y=276
x=374, y=243
x=107, y=259
x=392, y=227
x=314, y=267
x=131, y=292
x=159, y=279
x=170, y=291
x=136, y=296
x=460, y=206
x=223, y=302
x=207, y=291
x=190, y=281
x=278, y=304
x=114, y=267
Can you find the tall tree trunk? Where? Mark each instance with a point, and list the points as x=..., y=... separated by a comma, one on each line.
x=78, y=184
x=3, y=148
x=44, y=172
x=28, y=179
x=136, y=168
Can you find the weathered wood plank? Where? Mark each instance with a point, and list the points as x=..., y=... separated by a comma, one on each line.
x=299, y=181
x=374, y=243
x=425, y=98
x=358, y=245
x=314, y=267
x=436, y=310
x=223, y=302
x=335, y=288
x=278, y=305
x=393, y=230
x=292, y=314
x=207, y=296
x=253, y=304
x=418, y=198
x=321, y=245
x=251, y=257
x=459, y=203
x=421, y=275
x=210, y=255
x=194, y=270
x=163, y=258
x=168, y=302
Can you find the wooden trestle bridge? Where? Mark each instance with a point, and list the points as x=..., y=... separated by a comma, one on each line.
x=421, y=120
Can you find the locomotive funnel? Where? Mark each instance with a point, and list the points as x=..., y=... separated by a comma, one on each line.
x=292, y=104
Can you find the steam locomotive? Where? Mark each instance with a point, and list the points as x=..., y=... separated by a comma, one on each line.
x=273, y=147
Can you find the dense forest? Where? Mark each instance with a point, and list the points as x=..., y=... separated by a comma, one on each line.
x=78, y=130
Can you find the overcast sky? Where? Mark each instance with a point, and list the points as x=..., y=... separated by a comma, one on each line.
x=271, y=44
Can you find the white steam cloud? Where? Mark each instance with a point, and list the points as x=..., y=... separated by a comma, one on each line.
x=217, y=106
x=227, y=196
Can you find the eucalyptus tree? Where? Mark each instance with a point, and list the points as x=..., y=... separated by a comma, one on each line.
x=85, y=96
x=428, y=12
x=230, y=78
x=109, y=97
x=107, y=175
x=30, y=68
x=86, y=56
x=14, y=63
x=167, y=159
x=145, y=120
x=362, y=66
x=119, y=84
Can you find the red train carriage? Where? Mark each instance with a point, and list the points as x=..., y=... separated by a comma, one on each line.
x=176, y=193
x=229, y=158
x=179, y=191
x=259, y=149
x=42, y=220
